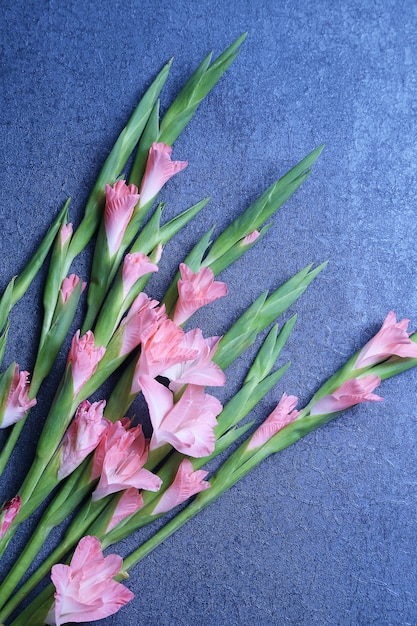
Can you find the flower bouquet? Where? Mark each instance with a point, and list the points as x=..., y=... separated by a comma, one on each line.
x=100, y=471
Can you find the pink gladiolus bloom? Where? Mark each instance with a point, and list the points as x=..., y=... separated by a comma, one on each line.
x=66, y=233
x=18, y=402
x=352, y=392
x=161, y=350
x=141, y=321
x=130, y=502
x=122, y=454
x=391, y=340
x=135, y=266
x=198, y=371
x=69, y=284
x=253, y=236
x=281, y=416
x=186, y=484
x=121, y=200
x=188, y=425
x=85, y=589
x=8, y=513
x=84, y=358
x=195, y=291
x=159, y=169
x=82, y=436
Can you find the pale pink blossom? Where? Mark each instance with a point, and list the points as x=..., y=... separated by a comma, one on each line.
x=135, y=266
x=8, y=512
x=85, y=589
x=84, y=358
x=281, y=416
x=187, y=483
x=188, y=425
x=199, y=371
x=18, y=402
x=82, y=436
x=195, y=291
x=65, y=233
x=392, y=339
x=159, y=169
x=121, y=200
x=160, y=350
x=119, y=459
x=142, y=320
x=69, y=284
x=130, y=502
x=352, y=392
x=251, y=238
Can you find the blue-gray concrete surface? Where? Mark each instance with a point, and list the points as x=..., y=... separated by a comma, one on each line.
x=324, y=533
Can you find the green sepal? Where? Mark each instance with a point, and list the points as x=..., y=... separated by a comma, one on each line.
x=197, y=87
x=6, y=303
x=150, y=134
x=54, y=338
x=263, y=208
x=55, y=277
x=3, y=342
x=6, y=380
x=115, y=163
x=270, y=350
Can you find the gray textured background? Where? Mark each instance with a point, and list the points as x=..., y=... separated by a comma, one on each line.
x=326, y=532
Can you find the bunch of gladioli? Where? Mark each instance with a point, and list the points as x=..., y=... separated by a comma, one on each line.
x=92, y=460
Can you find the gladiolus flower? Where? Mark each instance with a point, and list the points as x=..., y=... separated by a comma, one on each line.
x=141, y=321
x=391, y=340
x=82, y=436
x=195, y=291
x=161, y=350
x=159, y=169
x=121, y=200
x=135, y=266
x=281, y=416
x=69, y=284
x=187, y=483
x=8, y=513
x=352, y=392
x=201, y=370
x=18, y=402
x=84, y=358
x=130, y=502
x=188, y=425
x=85, y=589
x=119, y=460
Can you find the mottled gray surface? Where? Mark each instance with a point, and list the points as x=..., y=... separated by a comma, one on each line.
x=325, y=533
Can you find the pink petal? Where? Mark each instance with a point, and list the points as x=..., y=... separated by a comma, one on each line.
x=135, y=266
x=391, y=340
x=130, y=502
x=195, y=291
x=352, y=392
x=18, y=402
x=159, y=169
x=120, y=203
x=187, y=483
x=281, y=416
x=84, y=358
x=8, y=513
